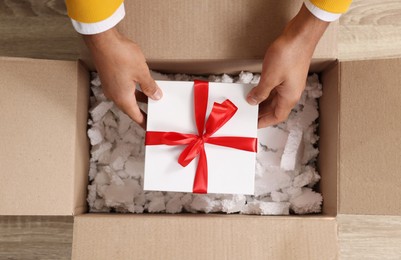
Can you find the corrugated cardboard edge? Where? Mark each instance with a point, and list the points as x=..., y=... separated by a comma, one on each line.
x=329, y=135
x=81, y=142
x=370, y=143
x=105, y=236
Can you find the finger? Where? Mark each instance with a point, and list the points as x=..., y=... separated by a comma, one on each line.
x=266, y=117
x=275, y=112
x=262, y=91
x=137, y=115
x=145, y=120
x=270, y=119
x=130, y=107
x=145, y=117
x=140, y=97
x=268, y=104
x=149, y=87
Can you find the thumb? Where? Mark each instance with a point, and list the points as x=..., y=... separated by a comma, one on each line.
x=259, y=93
x=150, y=88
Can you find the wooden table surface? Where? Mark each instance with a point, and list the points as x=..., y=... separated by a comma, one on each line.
x=40, y=29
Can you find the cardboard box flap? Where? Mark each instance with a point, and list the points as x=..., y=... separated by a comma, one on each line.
x=98, y=236
x=370, y=143
x=212, y=29
x=233, y=34
x=43, y=112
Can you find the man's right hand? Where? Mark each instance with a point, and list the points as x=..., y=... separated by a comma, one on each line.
x=121, y=64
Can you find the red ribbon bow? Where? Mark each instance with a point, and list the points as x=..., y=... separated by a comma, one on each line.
x=220, y=114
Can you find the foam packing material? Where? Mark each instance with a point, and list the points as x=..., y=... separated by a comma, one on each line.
x=285, y=170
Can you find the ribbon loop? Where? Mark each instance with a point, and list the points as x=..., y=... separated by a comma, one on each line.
x=190, y=152
x=219, y=116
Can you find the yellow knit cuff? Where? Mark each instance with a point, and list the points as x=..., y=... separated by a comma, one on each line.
x=91, y=11
x=332, y=6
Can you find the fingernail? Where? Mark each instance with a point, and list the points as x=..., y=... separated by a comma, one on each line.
x=252, y=101
x=157, y=95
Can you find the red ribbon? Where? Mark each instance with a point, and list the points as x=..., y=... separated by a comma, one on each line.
x=220, y=115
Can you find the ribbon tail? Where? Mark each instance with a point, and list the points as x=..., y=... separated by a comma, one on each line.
x=249, y=144
x=200, y=182
x=201, y=95
x=190, y=152
x=168, y=138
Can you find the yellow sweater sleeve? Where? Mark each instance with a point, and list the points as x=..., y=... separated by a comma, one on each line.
x=91, y=11
x=332, y=6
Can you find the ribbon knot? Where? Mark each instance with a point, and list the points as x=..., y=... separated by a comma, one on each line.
x=219, y=116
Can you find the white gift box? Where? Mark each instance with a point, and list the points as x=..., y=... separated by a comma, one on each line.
x=229, y=170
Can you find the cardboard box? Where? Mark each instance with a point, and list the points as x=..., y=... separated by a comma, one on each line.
x=44, y=149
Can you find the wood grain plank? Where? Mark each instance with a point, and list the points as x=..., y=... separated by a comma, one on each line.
x=369, y=237
x=35, y=237
x=370, y=29
x=34, y=37
x=37, y=29
x=29, y=8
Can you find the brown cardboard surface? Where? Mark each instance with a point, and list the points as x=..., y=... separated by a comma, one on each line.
x=370, y=143
x=106, y=236
x=38, y=137
x=209, y=29
x=329, y=138
x=81, y=142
